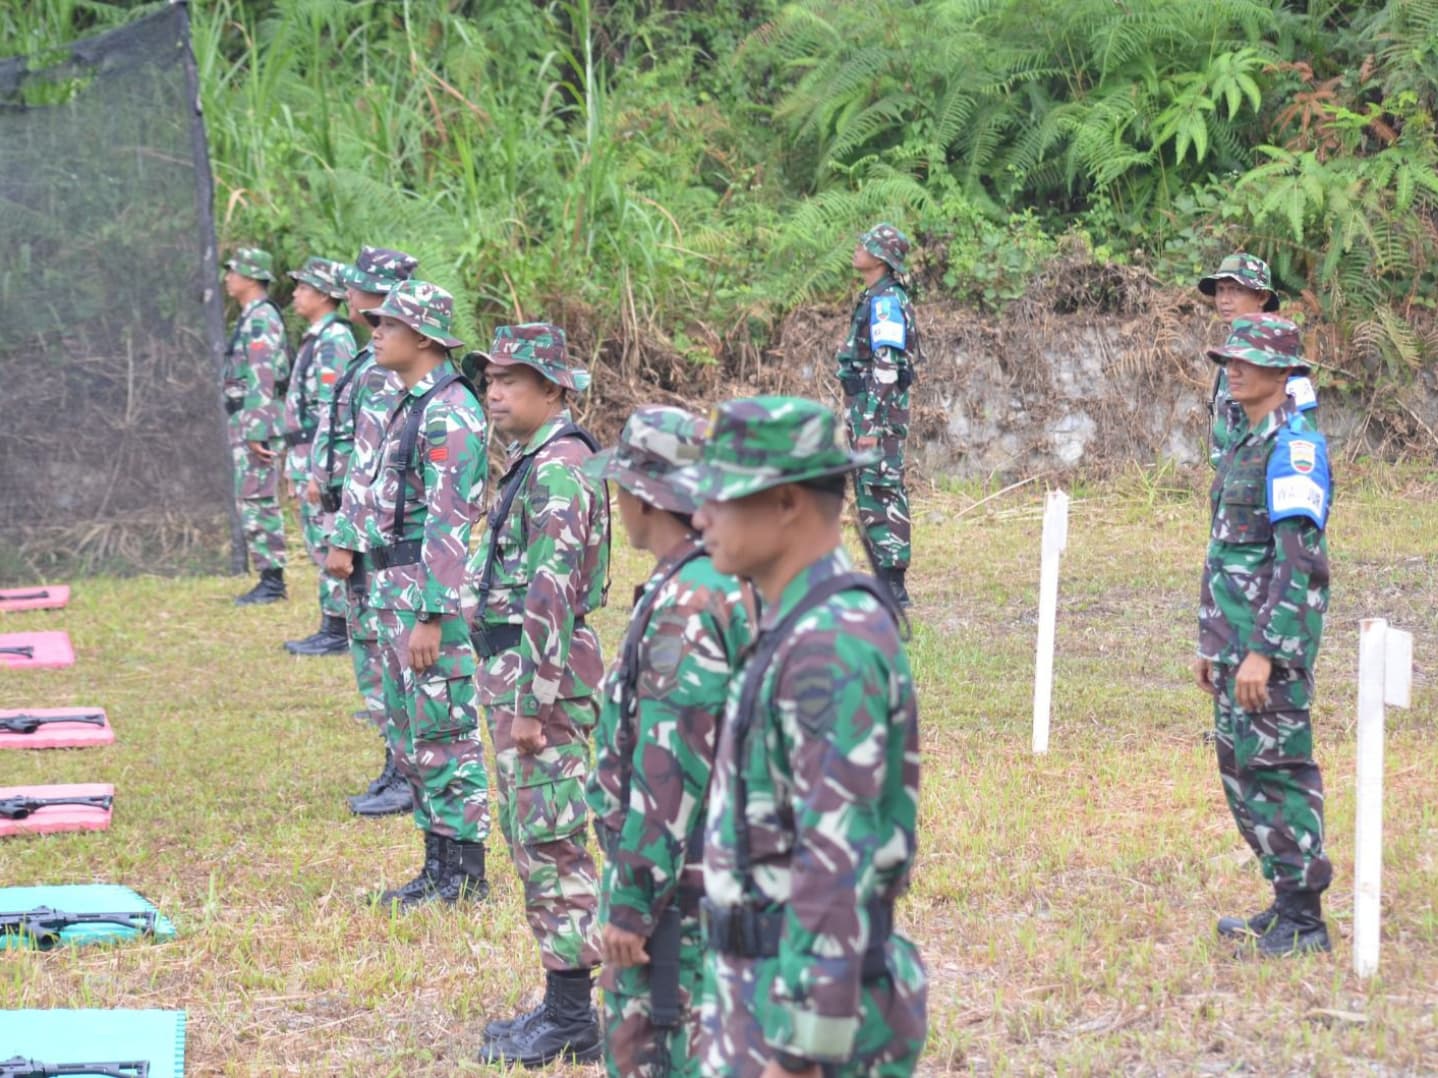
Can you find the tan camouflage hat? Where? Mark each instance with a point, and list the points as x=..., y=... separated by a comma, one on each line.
x=540, y=345
x=323, y=275
x=252, y=262
x=1265, y=340
x=887, y=244
x=1248, y=270
x=657, y=441
x=425, y=308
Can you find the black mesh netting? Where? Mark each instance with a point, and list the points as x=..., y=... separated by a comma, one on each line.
x=112, y=450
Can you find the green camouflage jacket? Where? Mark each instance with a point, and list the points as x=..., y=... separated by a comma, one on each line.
x=830, y=767
x=256, y=361
x=325, y=351
x=1265, y=581
x=876, y=363
x=658, y=725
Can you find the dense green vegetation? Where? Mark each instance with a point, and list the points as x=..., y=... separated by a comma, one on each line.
x=673, y=176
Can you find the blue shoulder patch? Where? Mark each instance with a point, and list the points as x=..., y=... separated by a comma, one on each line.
x=886, y=323
x=1299, y=481
x=1300, y=388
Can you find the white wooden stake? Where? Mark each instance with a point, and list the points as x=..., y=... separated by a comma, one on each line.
x=1056, y=537
x=1385, y=672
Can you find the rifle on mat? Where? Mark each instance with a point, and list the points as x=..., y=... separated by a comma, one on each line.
x=19, y=1067
x=28, y=724
x=44, y=925
x=18, y=808
x=25, y=651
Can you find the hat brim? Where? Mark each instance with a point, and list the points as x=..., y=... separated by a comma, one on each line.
x=668, y=492
x=250, y=272
x=1259, y=357
x=575, y=378
x=1209, y=285
x=318, y=285
x=373, y=316
x=713, y=483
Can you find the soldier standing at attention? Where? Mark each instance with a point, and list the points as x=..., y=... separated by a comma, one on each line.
x=425, y=490
x=812, y=820
x=876, y=368
x=257, y=367
x=1263, y=595
x=326, y=349
x=341, y=461
x=658, y=728
x=542, y=568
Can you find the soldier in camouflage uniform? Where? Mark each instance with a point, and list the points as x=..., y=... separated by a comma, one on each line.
x=1243, y=286
x=541, y=569
x=257, y=366
x=812, y=819
x=325, y=350
x=423, y=494
x=1263, y=595
x=658, y=728
x=341, y=461
x=876, y=369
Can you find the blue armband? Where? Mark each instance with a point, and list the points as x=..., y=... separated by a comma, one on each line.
x=886, y=323
x=1299, y=481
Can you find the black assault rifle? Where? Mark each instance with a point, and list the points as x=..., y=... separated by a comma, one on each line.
x=16, y=596
x=19, y=1067
x=18, y=808
x=43, y=925
x=28, y=724
x=25, y=651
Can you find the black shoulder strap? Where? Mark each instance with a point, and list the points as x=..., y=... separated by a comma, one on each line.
x=760, y=657
x=344, y=380
x=305, y=358
x=409, y=437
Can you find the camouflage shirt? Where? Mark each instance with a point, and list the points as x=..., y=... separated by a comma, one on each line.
x=327, y=348
x=831, y=767
x=660, y=743
x=876, y=362
x=443, y=497
x=550, y=570
x=1265, y=581
x=255, y=362
x=359, y=408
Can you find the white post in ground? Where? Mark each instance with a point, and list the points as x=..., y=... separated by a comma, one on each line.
x=1056, y=538
x=1385, y=669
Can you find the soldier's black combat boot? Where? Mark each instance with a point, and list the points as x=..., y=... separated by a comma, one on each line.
x=330, y=639
x=421, y=888
x=567, y=1027
x=1239, y=928
x=270, y=589
x=463, y=876
x=1298, y=928
x=894, y=578
x=392, y=796
x=380, y=781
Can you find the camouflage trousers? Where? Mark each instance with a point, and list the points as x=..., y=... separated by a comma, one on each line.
x=633, y=1046
x=893, y=1017
x=363, y=625
x=543, y=815
x=315, y=528
x=881, y=500
x=1273, y=786
x=433, y=728
x=257, y=496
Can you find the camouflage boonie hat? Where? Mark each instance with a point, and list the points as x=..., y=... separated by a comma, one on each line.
x=756, y=443
x=1249, y=271
x=1265, y=340
x=888, y=244
x=540, y=345
x=252, y=262
x=423, y=307
x=657, y=441
x=378, y=270
x=322, y=274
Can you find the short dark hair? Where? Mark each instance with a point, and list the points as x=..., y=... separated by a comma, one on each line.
x=827, y=484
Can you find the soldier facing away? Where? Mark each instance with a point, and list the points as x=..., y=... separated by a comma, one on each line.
x=1263, y=595
x=538, y=574
x=811, y=833
x=654, y=746
x=326, y=349
x=424, y=493
x=257, y=367
x=876, y=368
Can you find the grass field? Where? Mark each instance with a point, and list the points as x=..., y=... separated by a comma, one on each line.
x=1064, y=905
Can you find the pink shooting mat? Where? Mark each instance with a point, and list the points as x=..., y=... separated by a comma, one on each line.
x=48, y=649
x=59, y=817
x=56, y=735
x=39, y=597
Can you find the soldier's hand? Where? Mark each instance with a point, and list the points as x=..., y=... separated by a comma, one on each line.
x=423, y=646
x=774, y=1070
x=622, y=948
x=312, y=492
x=340, y=563
x=261, y=452
x=1203, y=674
x=528, y=734
x=1251, y=681
x=866, y=443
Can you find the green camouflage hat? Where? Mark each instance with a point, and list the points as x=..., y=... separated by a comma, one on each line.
x=378, y=270
x=323, y=275
x=1249, y=271
x=540, y=345
x=252, y=262
x=1265, y=340
x=888, y=244
x=425, y=308
x=756, y=443
x=656, y=442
